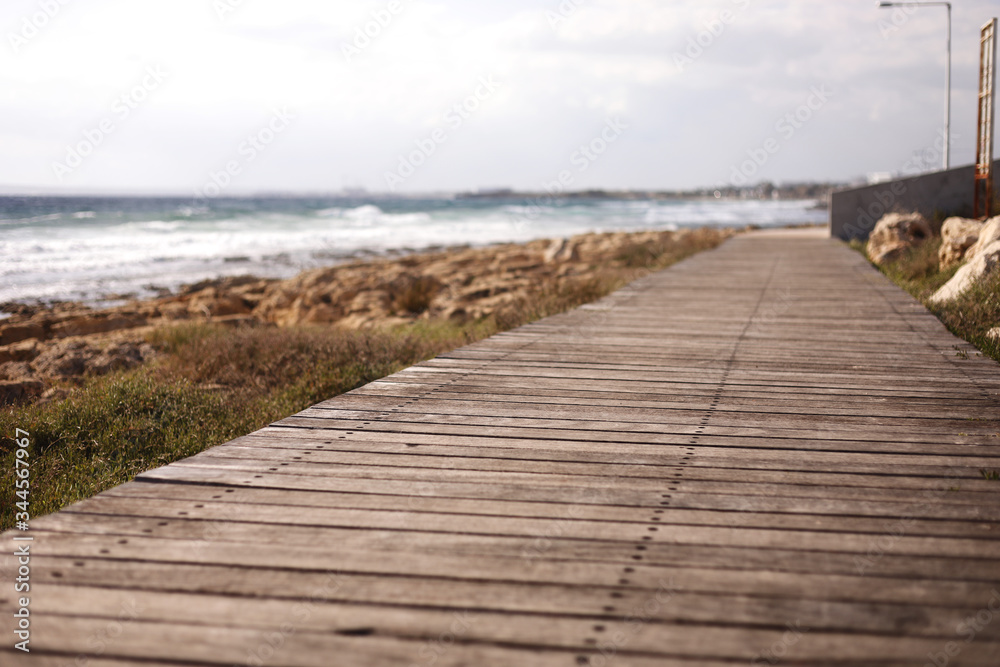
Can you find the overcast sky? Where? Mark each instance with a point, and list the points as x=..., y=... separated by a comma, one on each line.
x=422, y=95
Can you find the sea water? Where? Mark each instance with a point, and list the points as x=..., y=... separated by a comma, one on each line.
x=101, y=250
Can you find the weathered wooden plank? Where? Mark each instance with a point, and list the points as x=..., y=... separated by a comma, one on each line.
x=707, y=453
x=880, y=559
x=474, y=397
x=491, y=626
x=529, y=565
x=624, y=380
x=859, y=448
x=314, y=461
x=432, y=408
x=919, y=518
x=634, y=432
x=679, y=390
x=239, y=472
x=825, y=536
x=950, y=504
x=189, y=641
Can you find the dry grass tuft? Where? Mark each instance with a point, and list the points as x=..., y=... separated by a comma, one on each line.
x=970, y=316
x=416, y=294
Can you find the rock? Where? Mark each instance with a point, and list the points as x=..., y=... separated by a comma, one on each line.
x=561, y=250
x=171, y=309
x=895, y=233
x=15, y=333
x=213, y=305
x=222, y=284
x=75, y=358
x=22, y=309
x=65, y=361
x=87, y=325
x=321, y=313
x=16, y=370
x=120, y=356
x=957, y=236
x=993, y=334
x=14, y=393
x=456, y=313
x=26, y=350
x=982, y=265
x=989, y=233
x=377, y=301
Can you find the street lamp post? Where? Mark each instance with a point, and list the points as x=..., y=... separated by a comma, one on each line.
x=947, y=99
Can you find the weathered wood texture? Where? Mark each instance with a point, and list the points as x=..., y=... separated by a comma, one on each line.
x=767, y=454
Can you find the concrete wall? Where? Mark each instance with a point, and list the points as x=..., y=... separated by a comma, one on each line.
x=853, y=213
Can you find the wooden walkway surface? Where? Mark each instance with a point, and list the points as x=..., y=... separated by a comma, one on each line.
x=766, y=454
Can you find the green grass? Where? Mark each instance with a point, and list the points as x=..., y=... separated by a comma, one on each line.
x=969, y=316
x=212, y=384
x=974, y=313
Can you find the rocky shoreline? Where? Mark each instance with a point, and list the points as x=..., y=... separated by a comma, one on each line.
x=42, y=349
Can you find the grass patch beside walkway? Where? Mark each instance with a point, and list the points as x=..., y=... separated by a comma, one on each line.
x=969, y=316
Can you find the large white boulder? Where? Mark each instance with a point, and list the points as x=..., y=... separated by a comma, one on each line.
x=894, y=233
x=957, y=236
x=985, y=262
x=989, y=233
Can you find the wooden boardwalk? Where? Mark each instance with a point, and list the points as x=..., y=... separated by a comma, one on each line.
x=766, y=454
